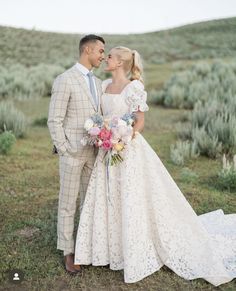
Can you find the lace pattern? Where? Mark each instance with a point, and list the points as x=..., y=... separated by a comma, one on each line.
x=148, y=223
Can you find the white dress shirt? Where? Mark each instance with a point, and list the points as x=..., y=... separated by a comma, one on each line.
x=84, y=72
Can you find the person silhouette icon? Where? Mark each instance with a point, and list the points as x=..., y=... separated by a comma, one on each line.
x=16, y=277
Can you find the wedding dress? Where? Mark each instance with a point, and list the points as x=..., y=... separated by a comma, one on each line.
x=135, y=217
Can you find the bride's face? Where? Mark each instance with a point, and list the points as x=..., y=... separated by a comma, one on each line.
x=112, y=61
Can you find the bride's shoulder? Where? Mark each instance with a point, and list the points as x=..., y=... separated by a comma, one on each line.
x=105, y=83
x=136, y=84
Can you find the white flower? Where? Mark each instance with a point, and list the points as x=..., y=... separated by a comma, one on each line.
x=115, y=134
x=115, y=141
x=126, y=139
x=88, y=124
x=84, y=140
x=121, y=123
x=122, y=130
x=99, y=142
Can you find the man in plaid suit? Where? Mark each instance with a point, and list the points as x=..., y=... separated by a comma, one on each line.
x=75, y=97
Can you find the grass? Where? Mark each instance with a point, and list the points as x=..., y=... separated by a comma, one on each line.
x=29, y=186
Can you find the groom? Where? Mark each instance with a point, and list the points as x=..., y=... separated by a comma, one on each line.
x=75, y=97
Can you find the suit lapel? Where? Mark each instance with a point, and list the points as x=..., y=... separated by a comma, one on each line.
x=84, y=86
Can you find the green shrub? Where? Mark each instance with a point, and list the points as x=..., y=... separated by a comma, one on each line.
x=178, y=66
x=201, y=82
x=12, y=119
x=211, y=126
x=227, y=175
x=184, y=130
x=20, y=82
x=154, y=97
x=207, y=145
x=182, y=151
x=7, y=140
x=188, y=175
x=40, y=122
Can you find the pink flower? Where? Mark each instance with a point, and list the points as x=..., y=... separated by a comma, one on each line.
x=94, y=131
x=106, y=145
x=105, y=134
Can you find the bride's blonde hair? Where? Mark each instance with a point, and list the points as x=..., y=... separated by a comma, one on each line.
x=132, y=62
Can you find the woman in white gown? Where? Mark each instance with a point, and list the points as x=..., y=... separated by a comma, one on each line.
x=134, y=215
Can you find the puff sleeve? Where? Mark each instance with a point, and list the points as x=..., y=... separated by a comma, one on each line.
x=137, y=97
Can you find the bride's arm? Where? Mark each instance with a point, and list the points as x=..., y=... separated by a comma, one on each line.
x=139, y=122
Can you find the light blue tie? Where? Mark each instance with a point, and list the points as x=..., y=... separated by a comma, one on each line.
x=92, y=88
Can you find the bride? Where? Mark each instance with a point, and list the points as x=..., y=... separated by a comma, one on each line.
x=134, y=215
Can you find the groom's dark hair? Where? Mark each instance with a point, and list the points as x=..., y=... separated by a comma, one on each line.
x=89, y=38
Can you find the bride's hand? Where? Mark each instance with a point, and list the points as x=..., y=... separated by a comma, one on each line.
x=135, y=132
x=139, y=123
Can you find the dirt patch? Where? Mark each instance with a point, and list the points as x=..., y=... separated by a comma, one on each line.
x=28, y=232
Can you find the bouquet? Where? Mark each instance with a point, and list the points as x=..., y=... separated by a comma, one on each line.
x=110, y=134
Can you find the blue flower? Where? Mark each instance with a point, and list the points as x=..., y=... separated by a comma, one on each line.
x=97, y=119
x=127, y=117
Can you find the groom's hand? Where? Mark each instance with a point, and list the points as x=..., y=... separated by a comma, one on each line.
x=54, y=150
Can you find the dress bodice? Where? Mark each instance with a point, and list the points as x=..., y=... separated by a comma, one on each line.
x=114, y=104
x=132, y=98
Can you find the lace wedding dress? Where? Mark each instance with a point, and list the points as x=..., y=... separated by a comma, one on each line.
x=137, y=219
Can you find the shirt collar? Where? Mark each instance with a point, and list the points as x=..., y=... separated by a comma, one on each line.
x=82, y=69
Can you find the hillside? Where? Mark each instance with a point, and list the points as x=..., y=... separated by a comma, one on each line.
x=209, y=39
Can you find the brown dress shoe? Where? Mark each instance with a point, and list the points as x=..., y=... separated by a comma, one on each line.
x=69, y=265
x=78, y=267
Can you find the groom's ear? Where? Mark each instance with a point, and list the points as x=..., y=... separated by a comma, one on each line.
x=87, y=49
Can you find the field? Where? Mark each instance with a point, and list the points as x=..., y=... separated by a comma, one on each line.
x=29, y=181
x=29, y=193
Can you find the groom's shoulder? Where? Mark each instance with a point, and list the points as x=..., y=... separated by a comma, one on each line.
x=66, y=75
x=69, y=72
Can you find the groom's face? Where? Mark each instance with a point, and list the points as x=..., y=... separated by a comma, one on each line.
x=96, y=55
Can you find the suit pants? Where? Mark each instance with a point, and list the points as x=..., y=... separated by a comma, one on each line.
x=75, y=173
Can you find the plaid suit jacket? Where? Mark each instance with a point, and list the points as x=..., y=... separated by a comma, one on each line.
x=71, y=104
